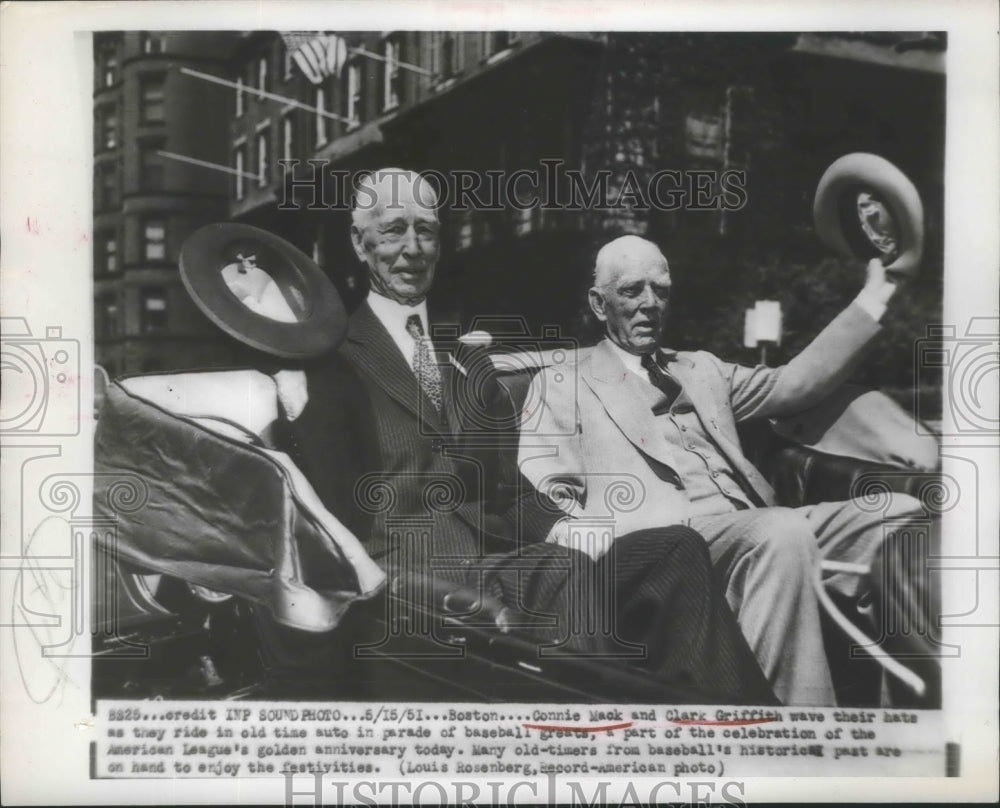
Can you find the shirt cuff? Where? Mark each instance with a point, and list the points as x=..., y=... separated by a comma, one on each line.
x=874, y=308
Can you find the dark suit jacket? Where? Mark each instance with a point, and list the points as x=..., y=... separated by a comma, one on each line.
x=382, y=457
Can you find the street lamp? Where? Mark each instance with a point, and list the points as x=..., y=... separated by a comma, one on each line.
x=762, y=327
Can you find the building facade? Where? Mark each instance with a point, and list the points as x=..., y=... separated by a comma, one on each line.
x=620, y=109
x=485, y=101
x=569, y=141
x=145, y=203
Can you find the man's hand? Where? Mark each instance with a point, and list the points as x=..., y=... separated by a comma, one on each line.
x=293, y=392
x=593, y=543
x=879, y=283
x=878, y=289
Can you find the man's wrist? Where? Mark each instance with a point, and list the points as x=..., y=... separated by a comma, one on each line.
x=875, y=301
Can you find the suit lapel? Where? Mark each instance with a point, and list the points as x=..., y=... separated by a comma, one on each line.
x=694, y=390
x=622, y=396
x=375, y=354
x=706, y=406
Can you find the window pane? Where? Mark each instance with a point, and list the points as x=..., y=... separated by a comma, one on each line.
x=107, y=317
x=354, y=93
x=321, y=121
x=110, y=130
x=153, y=312
x=240, y=166
x=239, y=96
x=288, y=135
x=107, y=188
x=390, y=68
x=110, y=69
x=154, y=237
x=152, y=43
x=105, y=253
x=262, y=74
x=262, y=159
x=110, y=255
x=152, y=100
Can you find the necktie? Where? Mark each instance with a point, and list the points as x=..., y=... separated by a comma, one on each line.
x=660, y=378
x=424, y=366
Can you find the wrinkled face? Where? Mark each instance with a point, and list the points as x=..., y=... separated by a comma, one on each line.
x=398, y=239
x=631, y=300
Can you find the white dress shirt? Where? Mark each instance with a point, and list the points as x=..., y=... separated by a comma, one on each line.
x=394, y=315
x=631, y=361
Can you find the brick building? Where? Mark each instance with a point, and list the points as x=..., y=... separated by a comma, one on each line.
x=492, y=101
x=777, y=107
x=145, y=205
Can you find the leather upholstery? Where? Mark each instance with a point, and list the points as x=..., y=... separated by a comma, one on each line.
x=214, y=510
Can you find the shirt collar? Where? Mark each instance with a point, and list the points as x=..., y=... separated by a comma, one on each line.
x=393, y=314
x=633, y=362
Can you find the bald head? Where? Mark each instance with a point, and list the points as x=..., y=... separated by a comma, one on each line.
x=630, y=293
x=391, y=189
x=626, y=251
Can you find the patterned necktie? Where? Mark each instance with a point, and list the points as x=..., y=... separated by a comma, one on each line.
x=660, y=378
x=426, y=369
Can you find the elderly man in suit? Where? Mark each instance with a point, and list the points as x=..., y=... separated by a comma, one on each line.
x=667, y=420
x=416, y=427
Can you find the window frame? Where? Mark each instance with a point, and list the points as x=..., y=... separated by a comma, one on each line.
x=146, y=295
x=322, y=123
x=354, y=96
x=108, y=326
x=109, y=126
x=239, y=109
x=146, y=44
x=391, y=83
x=145, y=224
x=288, y=136
x=263, y=136
x=240, y=166
x=109, y=196
x=109, y=69
x=147, y=81
x=105, y=114
x=263, y=77
x=102, y=238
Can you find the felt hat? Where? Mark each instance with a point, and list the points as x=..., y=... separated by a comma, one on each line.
x=866, y=208
x=262, y=290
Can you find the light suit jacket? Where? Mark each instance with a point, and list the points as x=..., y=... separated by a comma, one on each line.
x=597, y=448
